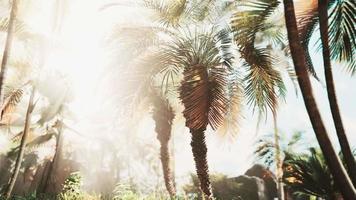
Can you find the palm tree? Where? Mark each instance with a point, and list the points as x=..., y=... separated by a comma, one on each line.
x=323, y=22
x=7, y=49
x=299, y=60
x=22, y=145
x=307, y=174
x=163, y=116
x=203, y=90
x=266, y=150
x=271, y=150
x=264, y=84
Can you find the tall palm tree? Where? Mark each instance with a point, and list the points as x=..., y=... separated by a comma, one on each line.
x=323, y=23
x=299, y=60
x=264, y=84
x=7, y=48
x=163, y=116
x=203, y=90
x=22, y=145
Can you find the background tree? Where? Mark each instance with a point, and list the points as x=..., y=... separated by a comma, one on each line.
x=163, y=116
x=307, y=174
x=22, y=145
x=7, y=49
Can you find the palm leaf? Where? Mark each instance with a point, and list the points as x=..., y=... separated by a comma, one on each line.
x=168, y=13
x=307, y=21
x=262, y=81
x=11, y=100
x=163, y=116
x=231, y=123
x=342, y=32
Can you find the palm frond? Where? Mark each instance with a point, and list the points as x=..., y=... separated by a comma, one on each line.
x=163, y=115
x=308, y=174
x=307, y=21
x=21, y=30
x=342, y=32
x=202, y=94
x=40, y=140
x=140, y=79
x=262, y=81
x=231, y=123
x=205, y=72
x=12, y=98
x=31, y=145
x=168, y=13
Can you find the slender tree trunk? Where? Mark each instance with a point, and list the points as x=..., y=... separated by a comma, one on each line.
x=340, y=131
x=163, y=116
x=201, y=164
x=51, y=174
x=279, y=170
x=164, y=135
x=173, y=159
x=299, y=60
x=167, y=170
x=7, y=48
x=22, y=146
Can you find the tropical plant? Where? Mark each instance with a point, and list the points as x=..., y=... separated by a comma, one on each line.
x=206, y=68
x=266, y=151
x=308, y=174
x=299, y=60
x=7, y=49
x=264, y=83
x=72, y=188
x=13, y=178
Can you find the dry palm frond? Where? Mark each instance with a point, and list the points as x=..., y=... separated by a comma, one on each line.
x=203, y=96
x=32, y=144
x=163, y=115
x=21, y=30
x=12, y=98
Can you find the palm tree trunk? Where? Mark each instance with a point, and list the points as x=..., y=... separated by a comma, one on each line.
x=50, y=177
x=299, y=60
x=22, y=146
x=279, y=170
x=167, y=170
x=200, y=150
x=7, y=48
x=340, y=131
x=163, y=129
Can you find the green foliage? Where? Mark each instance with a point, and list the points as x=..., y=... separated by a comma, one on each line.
x=266, y=149
x=124, y=192
x=72, y=188
x=263, y=83
x=342, y=32
x=308, y=174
